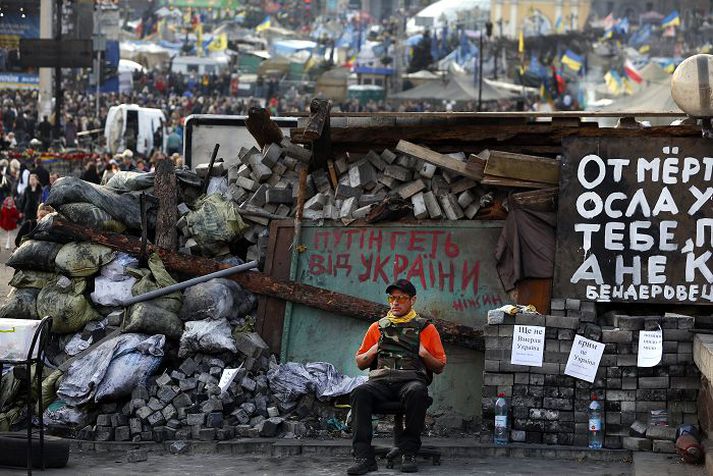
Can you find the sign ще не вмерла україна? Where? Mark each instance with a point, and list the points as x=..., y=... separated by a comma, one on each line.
x=635, y=222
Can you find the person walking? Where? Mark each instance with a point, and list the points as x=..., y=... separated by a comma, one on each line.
x=31, y=199
x=9, y=215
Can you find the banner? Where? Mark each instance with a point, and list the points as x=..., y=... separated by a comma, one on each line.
x=638, y=225
x=18, y=21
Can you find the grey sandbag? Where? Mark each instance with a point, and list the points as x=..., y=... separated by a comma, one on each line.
x=20, y=304
x=291, y=380
x=82, y=259
x=86, y=214
x=156, y=277
x=31, y=279
x=151, y=319
x=215, y=222
x=127, y=181
x=35, y=255
x=64, y=300
x=123, y=208
x=212, y=299
x=43, y=230
x=113, y=369
x=189, y=178
x=206, y=337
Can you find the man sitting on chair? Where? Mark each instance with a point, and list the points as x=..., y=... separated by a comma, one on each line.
x=403, y=352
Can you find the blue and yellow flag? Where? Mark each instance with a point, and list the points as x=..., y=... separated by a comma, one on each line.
x=613, y=82
x=672, y=19
x=264, y=25
x=572, y=60
x=219, y=43
x=559, y=25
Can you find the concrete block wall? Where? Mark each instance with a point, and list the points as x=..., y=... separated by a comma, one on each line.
x=547, y=406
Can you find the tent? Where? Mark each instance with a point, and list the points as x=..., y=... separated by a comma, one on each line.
x=454, y=87
x=656, y=97
x=654, y=73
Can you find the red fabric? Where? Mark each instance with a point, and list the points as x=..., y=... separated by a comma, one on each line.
x=8, y=218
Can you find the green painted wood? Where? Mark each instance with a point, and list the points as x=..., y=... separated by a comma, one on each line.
x=452, y=265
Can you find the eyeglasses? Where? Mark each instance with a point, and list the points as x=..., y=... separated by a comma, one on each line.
x=399, y=299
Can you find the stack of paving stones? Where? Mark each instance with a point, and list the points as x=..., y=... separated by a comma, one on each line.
x=187, y=404
x=550, y=407
x=267, y=181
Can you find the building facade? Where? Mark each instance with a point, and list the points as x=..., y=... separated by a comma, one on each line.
x=539, y=17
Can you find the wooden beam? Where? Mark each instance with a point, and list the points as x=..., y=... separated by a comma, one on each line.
x=521, y=167
x=165, y=189
x=456, y=136
x=262, y=128
x=432, y=157
x=319, y=132
x=263, y=284
x=319, y=117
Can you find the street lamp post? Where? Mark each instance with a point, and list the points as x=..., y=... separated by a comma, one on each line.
x=489, y=32
x=58, y=74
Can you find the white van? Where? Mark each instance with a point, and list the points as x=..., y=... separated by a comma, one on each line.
x=130, y=126
x=199, y=64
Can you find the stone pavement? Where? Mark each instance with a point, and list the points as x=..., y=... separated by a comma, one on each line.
x=461, y=456
x=218, y=465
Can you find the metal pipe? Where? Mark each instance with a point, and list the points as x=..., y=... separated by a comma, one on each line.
x=187, y=284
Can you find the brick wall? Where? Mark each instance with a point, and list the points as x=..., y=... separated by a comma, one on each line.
x=547, y=406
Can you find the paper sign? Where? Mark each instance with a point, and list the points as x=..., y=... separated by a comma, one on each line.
x=650, y=348
x=528, y=344
x=584, y=358
x=227, y=378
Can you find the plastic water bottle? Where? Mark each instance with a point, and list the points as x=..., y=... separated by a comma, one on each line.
x=501, y=420
x=595, y=423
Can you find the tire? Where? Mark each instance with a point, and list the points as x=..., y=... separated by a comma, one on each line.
x=13, y=450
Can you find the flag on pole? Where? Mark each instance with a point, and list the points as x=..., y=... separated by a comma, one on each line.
x=572, y=60
x=631, y=72
x=219, y=43
x=521, y=43
x=613, y=82
x=559, y=24
x=264, y=25
x=672, y=19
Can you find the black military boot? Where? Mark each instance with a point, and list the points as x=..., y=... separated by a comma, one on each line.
x=362, y=466
x=408, y=463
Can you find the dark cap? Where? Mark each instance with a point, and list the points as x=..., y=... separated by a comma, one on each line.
x=402, y=285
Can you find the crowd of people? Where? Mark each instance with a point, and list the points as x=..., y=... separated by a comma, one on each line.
x=177, y=95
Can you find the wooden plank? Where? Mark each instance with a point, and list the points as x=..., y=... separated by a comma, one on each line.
x=167, y=216
x=511, y=183
x=535, y=291
x=542, y=200
x=520, y=166
x=465, y=169
x=271, y=311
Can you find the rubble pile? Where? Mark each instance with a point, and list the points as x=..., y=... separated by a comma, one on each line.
x=192, y=402
x=182, y=366
x=352, y=186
